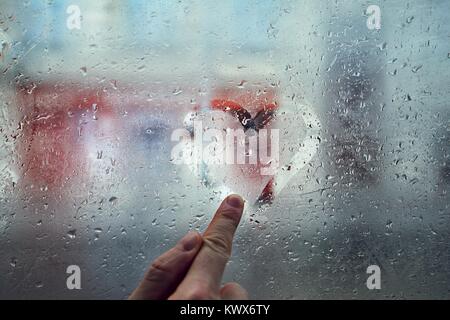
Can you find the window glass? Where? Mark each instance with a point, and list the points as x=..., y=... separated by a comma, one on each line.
x=356, y=173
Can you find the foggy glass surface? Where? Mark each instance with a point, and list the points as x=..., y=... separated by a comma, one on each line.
x=86, y=116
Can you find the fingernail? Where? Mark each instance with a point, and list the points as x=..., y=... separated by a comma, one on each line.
x=189, y=241
x=235, y=201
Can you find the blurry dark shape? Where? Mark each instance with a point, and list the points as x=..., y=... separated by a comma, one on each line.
x=442, y=152
x=445, y=173
x=261, y=119
x=354, y=146
x=353, y=158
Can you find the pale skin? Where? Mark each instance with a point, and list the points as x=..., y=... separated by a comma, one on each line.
x=193, y=268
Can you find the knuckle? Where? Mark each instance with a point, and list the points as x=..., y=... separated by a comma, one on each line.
x=229, y=216
x=218, y=243
x=156, y=268
x=163, y=267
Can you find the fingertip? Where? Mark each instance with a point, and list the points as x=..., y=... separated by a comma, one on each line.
x=235, y=201
x=232, y=207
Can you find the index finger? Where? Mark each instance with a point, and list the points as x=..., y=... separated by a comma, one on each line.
x=209, y=264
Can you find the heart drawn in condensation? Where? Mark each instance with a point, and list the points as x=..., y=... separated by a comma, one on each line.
x=299, y=138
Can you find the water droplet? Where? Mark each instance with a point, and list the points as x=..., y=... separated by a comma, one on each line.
x=72, y=233
x=177, y=91
x=382, y=46
x=416, y=68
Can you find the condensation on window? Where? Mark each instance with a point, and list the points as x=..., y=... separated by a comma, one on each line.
x=358, y=93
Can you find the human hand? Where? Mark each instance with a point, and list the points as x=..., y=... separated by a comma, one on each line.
x=193, y=269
